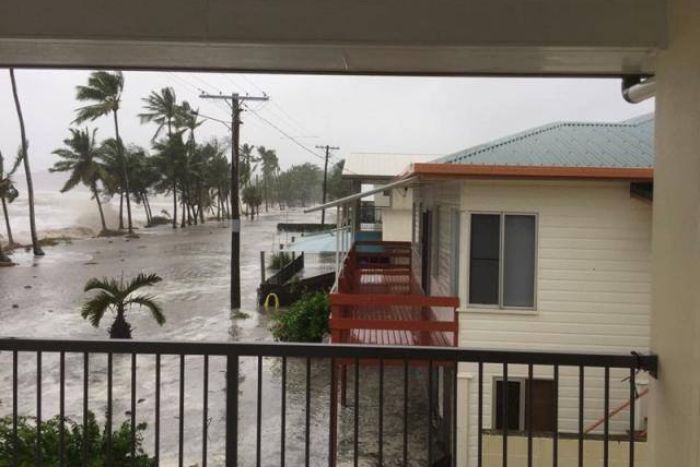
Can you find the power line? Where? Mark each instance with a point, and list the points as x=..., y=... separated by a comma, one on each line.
x=287, y=135
x=235, y=102
x=223, y=98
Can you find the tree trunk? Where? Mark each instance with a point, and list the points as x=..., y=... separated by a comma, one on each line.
x=99, y=207
x=11, y=242
x=27, y=171
x=148, y=205
x=121, y=210
x=174, y=200
x=120, y=147
x=120, y=329
x=201, y=205
x=3, y=256
x=144, y=201
x=266, y=195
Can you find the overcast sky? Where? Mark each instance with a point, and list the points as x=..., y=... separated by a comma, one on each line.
x=359, y=114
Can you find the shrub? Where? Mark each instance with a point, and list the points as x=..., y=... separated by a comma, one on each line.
x=73, y=443
x=305, y=321
x=280, y=260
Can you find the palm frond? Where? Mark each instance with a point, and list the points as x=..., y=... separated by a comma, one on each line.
x=72, y=181
x=142, y=280
x=110, y=286
x=96, y=307
x=18, y=159
x=91, y=112
x=149, y=302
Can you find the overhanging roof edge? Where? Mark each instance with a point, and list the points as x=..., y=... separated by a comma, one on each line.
x=364, y=194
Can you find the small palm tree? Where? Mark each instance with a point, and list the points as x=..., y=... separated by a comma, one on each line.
x=81, y=157
x=119, y=297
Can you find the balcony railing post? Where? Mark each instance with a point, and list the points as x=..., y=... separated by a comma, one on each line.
x=231, y=410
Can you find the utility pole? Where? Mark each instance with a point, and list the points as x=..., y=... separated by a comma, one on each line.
x=325, y=177
x=234, y=101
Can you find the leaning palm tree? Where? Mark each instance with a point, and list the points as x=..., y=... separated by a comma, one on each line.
x=104, y=91
x=118, y=297
x=27, y=171
x=81, y=157
x=162, y=109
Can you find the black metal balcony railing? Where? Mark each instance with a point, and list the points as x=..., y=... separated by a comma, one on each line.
x=395, y=428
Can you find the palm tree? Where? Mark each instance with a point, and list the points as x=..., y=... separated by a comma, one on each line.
x=115, y=160
x=162, y=109
x=80, y=157
x=8, y=193
x=104, y=90
x=188, y=118
x=248, y=164
x=270, y=165
x=143, y=175
x=168, y=156
x=27, y=171
x=118, y=297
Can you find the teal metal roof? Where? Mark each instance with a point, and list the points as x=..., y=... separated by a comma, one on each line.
x=629, y=143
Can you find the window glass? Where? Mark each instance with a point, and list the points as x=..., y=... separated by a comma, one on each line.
x=484, y=255
x=519, y=261
x=513, y=401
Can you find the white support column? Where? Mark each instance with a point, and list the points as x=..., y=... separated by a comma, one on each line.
x=464, y=379
x=337, y=242
x=674, y=432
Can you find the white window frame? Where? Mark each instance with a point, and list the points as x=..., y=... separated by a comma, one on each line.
x=523, y=392
x=500, y=305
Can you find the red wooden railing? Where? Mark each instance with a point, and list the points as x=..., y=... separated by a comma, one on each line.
x=378, y=301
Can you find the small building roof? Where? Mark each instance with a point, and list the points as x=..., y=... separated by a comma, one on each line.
x=627, y=144
x=380, y=165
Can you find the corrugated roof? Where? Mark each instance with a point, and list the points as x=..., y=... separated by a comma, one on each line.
x=629, y=143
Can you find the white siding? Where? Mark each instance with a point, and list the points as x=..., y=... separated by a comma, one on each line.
x=592, y=285
x=396, y=220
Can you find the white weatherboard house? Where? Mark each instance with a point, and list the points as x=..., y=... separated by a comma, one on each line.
x=545, y=238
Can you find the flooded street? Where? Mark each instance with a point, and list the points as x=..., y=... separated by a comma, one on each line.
x=44, y=296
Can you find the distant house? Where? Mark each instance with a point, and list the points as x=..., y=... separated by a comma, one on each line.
x=545, y=238
x=393, y=211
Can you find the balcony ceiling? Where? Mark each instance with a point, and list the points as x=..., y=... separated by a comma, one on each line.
x=461, y=37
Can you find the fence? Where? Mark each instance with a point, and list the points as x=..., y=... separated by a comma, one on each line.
x=270, y=403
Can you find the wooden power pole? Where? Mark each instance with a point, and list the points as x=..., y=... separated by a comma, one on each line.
x=234, y=101
x=325, y=177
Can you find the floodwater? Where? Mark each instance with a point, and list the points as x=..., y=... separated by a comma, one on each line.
x=41, y=297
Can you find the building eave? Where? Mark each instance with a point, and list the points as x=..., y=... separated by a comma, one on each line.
x=639, y=174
